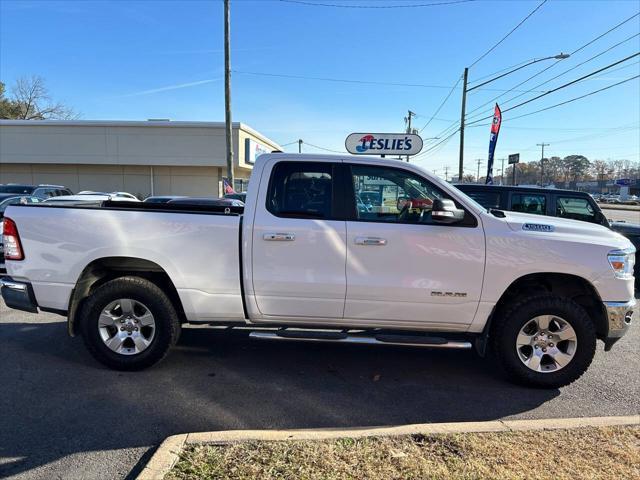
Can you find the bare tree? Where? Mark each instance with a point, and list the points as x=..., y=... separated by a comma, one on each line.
x=32, y=101
x=600, y=169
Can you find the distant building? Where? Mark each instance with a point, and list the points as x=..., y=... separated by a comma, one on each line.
x=141, y=157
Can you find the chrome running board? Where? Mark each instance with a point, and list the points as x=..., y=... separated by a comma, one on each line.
x=342, y=337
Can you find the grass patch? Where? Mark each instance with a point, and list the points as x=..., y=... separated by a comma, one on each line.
x=583, y=453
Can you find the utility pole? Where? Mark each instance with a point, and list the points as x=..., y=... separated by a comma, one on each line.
x=446, y=174
x=478, y=176
x=513, y=178
x=502, y=172
x=227, y=95
x=408, y=122
x=542, y=162
x=300, y=145
x=462, y=115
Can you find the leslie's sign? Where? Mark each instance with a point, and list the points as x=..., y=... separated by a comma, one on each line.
x=383, y=143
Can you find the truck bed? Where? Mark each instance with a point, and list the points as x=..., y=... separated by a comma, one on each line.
x=196, y=245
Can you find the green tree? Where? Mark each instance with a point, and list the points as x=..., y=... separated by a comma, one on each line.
x=576, y=167
x=8, y=108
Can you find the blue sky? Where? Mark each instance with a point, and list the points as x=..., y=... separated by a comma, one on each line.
x=133, y=60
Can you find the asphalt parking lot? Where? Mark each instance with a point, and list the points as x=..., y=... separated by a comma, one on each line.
x=62, y=415
x=630, y=216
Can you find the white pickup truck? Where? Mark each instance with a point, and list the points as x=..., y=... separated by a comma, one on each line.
x=419, y=264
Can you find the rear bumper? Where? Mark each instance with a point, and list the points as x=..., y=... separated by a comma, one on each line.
x=619, y=318
x=18, y=295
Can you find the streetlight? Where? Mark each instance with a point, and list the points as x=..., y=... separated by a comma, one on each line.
x=560, y=56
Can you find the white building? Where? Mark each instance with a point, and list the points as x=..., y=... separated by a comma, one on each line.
x=140, y=157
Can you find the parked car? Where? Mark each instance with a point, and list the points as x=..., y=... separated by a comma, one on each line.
x=86, y=198
x=7, y=199
x=371, y=198
x=113, y=195
x=552, y=202
x=303, y=260
x=207, y=201
x=38, y=191
x=161, y=199
x=237, y=196
x=80, y=200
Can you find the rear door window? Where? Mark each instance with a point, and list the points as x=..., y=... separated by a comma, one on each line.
x=529, y=203
x=576, y=209
x=301, y=190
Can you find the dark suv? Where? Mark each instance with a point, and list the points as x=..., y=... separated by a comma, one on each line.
x=552, y=202
x=39, y=191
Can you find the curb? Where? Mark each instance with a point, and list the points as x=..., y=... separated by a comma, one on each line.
x=169, y=451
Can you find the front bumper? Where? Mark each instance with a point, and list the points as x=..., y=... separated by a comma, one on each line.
x=619, y=318
x=18, y=295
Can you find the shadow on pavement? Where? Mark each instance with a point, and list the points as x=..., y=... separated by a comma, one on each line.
x=57, y=401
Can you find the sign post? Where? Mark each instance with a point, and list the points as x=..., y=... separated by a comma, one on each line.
x=514, y=159
x=383, y=144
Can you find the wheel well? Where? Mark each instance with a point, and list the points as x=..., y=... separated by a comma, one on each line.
x=564, y=285
x=105, y=269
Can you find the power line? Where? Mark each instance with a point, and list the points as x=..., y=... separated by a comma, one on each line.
x=378, y=7
x=561, y=103
x=441, y=105
x=455, y=126
x=508, y=34
x=577, y=98
x=433, y=147
x=500, y=71
x=574, y=81
x=582, y=47
x=616, y=70
x=574, y=67
x=561, y=86
x=605, y=33
x=346, y=80
x=323, y=148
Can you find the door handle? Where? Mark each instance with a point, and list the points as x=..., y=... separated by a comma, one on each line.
x=279, y=237
x=374, y=241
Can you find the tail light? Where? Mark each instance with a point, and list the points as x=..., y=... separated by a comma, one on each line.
x=11, y=240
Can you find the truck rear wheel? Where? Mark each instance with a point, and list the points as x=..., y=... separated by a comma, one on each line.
x=129, y=323
x=544, y=341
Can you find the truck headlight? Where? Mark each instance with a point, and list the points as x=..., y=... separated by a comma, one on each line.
x=622, y=262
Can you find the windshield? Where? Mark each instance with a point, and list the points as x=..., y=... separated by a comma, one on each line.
x=26, y=189
x=473, y=201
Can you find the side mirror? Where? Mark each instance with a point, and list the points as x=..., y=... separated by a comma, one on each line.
x=445, y=211
x=401, y=202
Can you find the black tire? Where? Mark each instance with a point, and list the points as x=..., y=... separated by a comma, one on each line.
x=507, y=326
x=167, y=324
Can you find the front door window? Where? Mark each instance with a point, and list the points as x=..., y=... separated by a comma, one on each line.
x=392, y=195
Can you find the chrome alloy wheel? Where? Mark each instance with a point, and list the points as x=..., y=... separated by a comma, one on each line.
x=546, y=343
x=127, y=326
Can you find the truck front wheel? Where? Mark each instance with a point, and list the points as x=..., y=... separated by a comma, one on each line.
x=129, y=323
x=544, y=341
